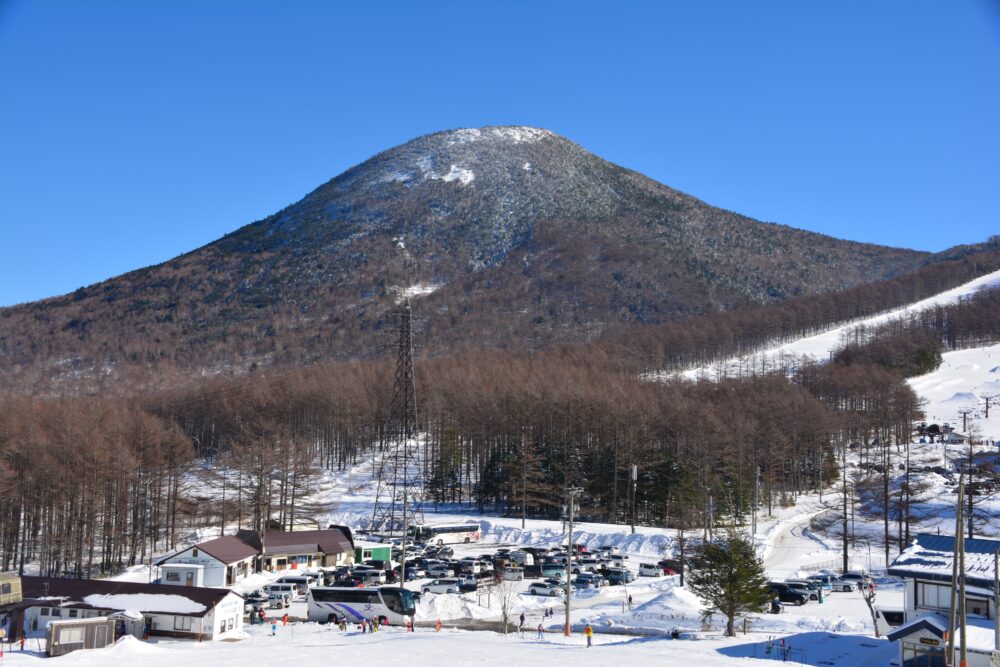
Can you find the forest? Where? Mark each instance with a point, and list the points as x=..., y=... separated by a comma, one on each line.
x=89, y=485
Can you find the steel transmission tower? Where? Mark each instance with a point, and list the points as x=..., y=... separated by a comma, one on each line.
x=399, y=499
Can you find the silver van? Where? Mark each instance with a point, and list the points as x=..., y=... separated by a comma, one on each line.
x=301, y=583
x=513, y=574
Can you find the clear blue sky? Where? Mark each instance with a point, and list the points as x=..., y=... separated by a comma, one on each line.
x=131, y=132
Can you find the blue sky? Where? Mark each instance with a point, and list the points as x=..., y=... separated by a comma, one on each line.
x=131, y=132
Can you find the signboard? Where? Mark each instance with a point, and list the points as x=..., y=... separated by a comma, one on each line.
x=930, y=641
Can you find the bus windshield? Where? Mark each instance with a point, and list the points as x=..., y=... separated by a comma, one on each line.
x=399, y=600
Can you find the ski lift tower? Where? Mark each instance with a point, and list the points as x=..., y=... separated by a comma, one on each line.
x=399, y=498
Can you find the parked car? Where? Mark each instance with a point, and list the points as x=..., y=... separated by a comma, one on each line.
x=582, y=583
x=254, y=603
x=290, y=589
x=595, y=579
x=649, y=570
x=587, y=564
x=542, y=588
x=833, y=582
x=553, y=570
x=669, y=565
x=279, y=599
x=813, y=587
x=440, y=571
x=618, y=576
x=513, y=574
x=440, y=586
x=786, y=593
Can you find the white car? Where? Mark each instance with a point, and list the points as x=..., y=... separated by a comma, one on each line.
x=440, y=586
x=540, y=588
x=649, y=570
x=440, y=571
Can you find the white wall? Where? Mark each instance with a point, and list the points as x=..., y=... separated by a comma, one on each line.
x=215, y=571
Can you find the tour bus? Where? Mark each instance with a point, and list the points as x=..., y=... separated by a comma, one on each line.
x=446, y=533
x=395, y=605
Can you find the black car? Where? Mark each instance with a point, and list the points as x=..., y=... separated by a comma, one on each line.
x=786, y=593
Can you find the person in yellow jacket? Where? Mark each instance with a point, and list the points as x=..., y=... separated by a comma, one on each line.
x=589, y=632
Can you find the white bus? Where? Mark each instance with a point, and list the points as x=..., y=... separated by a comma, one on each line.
x=446, y=533
x=395, y=605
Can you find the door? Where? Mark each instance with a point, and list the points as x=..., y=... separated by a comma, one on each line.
x=100, y=636
x=189, y=579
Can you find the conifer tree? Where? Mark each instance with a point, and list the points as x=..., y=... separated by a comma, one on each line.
x=730, y=578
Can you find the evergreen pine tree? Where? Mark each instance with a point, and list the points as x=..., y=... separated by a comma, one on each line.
x=730, y=578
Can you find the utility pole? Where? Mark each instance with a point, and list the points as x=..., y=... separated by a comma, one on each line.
x=955, y=574
x=996, y=599
x=963, y=660
x=635, y=478
x=844, y=468
x=572, y=493
x=965, y=412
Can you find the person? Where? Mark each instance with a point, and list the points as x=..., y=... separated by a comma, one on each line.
x=776, y=605
x=675, y=633
x=364, y=626
x=540, y=631
x=820, y=593
x=274, y=626
x=630, y=601
x=589, y=633
x=261, y=615
x=437, y=625
x=284, y=619
x=520, y=625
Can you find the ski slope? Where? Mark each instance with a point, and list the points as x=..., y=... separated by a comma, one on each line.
x=962, y=381
x=820, y=346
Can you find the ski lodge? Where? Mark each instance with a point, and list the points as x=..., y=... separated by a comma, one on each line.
x=224, y=561
x=301, y=549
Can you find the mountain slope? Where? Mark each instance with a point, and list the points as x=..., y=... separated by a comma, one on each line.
x=515, y=236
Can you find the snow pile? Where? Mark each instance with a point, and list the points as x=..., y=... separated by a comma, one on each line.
x=147, y=602
x=449, y=607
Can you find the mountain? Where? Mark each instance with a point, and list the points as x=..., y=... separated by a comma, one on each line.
x=510, y=237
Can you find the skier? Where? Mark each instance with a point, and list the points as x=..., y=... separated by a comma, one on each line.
x=589, y=633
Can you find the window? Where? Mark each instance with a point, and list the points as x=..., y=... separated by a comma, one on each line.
x=231, y=623
x=933, y=596
x=73, y=613
x=5, y=589
x=182, y=623
x=222, y=626
x=44, y=611
x=194, y=552
x=366, y=554
x=56, y=611
x=71, y=636
x=173, y=575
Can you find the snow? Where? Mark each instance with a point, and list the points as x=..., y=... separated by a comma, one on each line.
x=961, y=381
x=514, y=134
x=415, y=290
x=168, y=604
x=820, y=346
x=463, y=176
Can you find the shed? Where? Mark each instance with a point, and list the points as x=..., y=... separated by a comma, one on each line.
x=372, y=551
x=10, y=588
x=63, y=637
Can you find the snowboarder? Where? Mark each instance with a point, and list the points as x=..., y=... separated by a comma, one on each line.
x=589, y=633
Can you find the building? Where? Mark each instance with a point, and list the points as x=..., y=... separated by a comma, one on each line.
x=301, y=549
x=224, y=561
x=10, y=588
x=364, y=551
x=73, y=634
x=926, y=568
x=175, y=611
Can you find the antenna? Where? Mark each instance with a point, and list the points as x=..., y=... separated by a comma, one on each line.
x=399, y=498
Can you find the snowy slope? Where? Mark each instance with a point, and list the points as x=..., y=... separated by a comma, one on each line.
x=961, y=381
x=821, y=345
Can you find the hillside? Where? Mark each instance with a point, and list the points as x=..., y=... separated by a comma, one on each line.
x=512, y=237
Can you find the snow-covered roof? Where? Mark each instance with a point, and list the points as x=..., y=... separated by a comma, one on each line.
x=125, y=595
x=978, y=631
x=932, y=557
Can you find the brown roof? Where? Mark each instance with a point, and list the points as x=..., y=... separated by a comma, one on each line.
x=74, y=590
x=227, y=549
x=328, y=541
